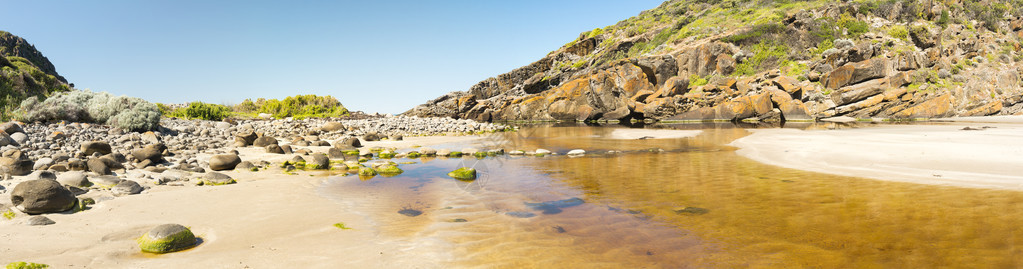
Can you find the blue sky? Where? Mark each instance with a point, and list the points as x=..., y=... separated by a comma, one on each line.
x=374, y=56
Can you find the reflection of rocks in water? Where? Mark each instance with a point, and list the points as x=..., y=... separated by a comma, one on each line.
x=554, y=207
x=630, y=211
x=691, y=211
x=407, y=211
x=520, y=214
x=559, y=229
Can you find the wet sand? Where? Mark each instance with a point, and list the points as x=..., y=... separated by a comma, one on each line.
x=987, y=156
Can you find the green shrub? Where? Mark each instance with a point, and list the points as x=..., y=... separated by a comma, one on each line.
x=755, y=33
x=128, y=113
x=899, y=31
x=854, y=27
x=943, y=19
x=696, y=81
x=203, y=111
x=765, y=55
x=299, y=107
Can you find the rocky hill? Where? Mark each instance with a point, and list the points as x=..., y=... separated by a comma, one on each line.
x=769, y=61
x=24, y=72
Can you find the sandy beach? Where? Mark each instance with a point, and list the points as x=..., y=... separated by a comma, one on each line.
x=943, y=153
x=267, y=220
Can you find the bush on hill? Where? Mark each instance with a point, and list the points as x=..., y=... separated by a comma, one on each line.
x=128, y=113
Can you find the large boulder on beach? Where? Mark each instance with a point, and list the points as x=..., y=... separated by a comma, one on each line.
x=275, y=149
x=427, y=151
x=19, y=138
x=11, y=127
x=348, y=143
x=74, y=179
x=245, y=138
x=42, y=196
x=153, y=153
x=126, y=187
x=16, y=166
x=224, y=162
x=318, y=161
x=88, y=148
x=98, y=166
x=371, y=136
x=214, y=178
x=167, y=238
x=264, y=141
x=332, y=126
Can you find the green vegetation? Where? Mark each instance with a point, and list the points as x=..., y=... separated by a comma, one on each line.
x=455, y=154
x=389, y=170
x=765, y=55
x=899, y=31
x=128, y=113
x=341, y=225
x=202, y=111
x=696, y=81
x=414, y=154
x=26, y=265
x=464, y=173
x=9, y=214
x=943, y=20
x=367, y=172
x=299, y=107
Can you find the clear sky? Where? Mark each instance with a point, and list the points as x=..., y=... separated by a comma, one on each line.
x=374, y=56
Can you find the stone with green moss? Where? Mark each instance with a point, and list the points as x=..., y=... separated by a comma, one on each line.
x=26, y=265
x=386, y=155
x=480, y=154
x=414, y=154
x=351, y=152
x=389, y=170
x=455, y=154
x=367, y=172
x=216, y=179
x=464, y=173
x=167, y=238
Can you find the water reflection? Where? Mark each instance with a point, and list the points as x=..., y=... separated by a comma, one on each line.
x=689, y=202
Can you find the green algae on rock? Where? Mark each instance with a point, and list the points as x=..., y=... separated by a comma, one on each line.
x=389, y=170
x=464, y=173
x=167, y=238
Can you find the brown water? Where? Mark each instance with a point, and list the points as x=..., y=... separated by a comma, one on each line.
x=692, y=204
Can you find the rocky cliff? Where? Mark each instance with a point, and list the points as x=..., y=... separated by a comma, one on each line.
x=24, y=72
x=769, y=61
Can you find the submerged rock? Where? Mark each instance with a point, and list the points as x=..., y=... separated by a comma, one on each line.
x=410, y=212
x=554, y=207
x=464, y=173
x=691, y=211
x=520, y=214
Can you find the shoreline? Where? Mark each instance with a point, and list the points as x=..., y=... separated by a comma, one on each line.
x=934, y=154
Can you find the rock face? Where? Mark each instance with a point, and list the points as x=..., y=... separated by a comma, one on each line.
x=42, y=196
x=616, y=74
x=167, y=238
x=224, y=162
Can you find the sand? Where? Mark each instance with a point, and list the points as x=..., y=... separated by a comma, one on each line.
x=939, y=154
x=267, y=220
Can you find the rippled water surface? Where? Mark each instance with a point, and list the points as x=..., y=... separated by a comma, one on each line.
x=677, y=203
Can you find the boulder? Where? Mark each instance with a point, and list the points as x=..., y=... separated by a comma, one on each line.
x=856, y=72
x=264, y=141
x=16, y=166
x=88, y=148
x=427, y=151
x=39, y=221
x=74, y=178
x=19, y=138
x=214, y=179
x=938, y=107
x=43, y=174
x=167, y=238
x=859, y=92
x=348, y=143
x=42, y=163
x=224, y=162
x=150, y=137
x=464, y=173
x=576, y=152
x=246, y=165
x=5, y=139
x=105, y=181
x=11, y=127
x=126, y=187
x=336, y=153
x=245, y=137
x=318, y=161
x=275, y=149
x=98, y=166
x=42, y=196
x=332, y=126
x=152, y=153
x=371, y=136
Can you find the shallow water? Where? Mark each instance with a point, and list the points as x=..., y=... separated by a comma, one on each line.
x=677, y=203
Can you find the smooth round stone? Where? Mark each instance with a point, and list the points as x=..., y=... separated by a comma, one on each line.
x=167, y=238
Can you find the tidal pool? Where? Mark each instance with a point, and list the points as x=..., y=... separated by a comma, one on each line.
x=676, y=203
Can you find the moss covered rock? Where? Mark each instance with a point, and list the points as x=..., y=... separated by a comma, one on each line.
x=414, y=154
x=214, y=179
x=389, y=170
x=455, y=154
x=367, y=172
x=386, y=155
x=464, y=173
x=167, y=238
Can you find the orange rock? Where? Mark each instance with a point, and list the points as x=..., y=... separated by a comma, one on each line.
x=871, y=101
x=900, y=79
x=985, y=110
x=761, y=103
x=859, y=92
x=789, y=85
x=641, y=96
x=935, y=108
x=893, y=93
